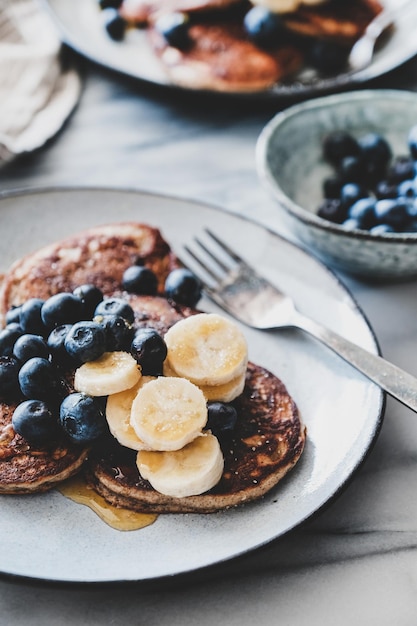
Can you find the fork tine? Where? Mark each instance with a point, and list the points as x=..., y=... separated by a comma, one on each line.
x=203, y=265
x=211, y=255
x=232, y=254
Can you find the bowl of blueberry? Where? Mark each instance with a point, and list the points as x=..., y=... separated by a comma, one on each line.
x=343, y=169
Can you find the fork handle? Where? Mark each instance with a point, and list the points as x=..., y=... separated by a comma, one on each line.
x=395, y=381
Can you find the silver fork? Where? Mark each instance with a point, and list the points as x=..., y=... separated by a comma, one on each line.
x=250, y=298
x=362, y=51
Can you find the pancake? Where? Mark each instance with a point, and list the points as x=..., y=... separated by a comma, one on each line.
x=220, y=57
x=28, y=469
x=267, y=442
x=98, y=255
x=343, y=22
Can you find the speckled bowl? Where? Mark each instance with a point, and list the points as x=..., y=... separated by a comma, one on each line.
x=290, y=164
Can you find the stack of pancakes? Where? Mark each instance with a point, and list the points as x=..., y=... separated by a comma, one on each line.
x=220, y=55
x=266, y=443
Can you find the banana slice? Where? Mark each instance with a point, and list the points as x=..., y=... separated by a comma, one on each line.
x=168, y=413
x=111, y=373
x=223, y=393
x=227, y=392
x=194, y=469
x=207, y=348
x=118, y=410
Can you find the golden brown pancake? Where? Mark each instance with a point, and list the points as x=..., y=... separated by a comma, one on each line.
x=267, y=442
x=343, y=22
x=220, y=57
x=28, y=469
x=268, y=439
x=98, y=255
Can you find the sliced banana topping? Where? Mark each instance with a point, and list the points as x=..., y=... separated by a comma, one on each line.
x=168, y=413
x=111, y=373
x=194, y=469
x=207, y=349
x=118, y=410
x=223, y=393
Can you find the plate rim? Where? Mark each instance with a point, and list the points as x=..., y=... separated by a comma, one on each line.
x=211, y=568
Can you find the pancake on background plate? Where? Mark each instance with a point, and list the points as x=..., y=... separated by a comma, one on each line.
x=216, y=51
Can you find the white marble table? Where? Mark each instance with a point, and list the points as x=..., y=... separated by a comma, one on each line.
x=357, y=561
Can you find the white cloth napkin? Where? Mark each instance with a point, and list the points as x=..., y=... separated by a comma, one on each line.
x=36, y=93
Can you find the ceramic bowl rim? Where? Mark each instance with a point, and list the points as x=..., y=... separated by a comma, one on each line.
x=294, y=209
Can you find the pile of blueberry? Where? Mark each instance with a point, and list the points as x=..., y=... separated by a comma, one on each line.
x=264, y=28
x=44, y=341
x=370, y=189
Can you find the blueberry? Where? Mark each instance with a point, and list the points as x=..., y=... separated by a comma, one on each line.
x=412, y=226
x=85, y=341
x=35, y=422
x=263, y=27
x=351, y=224
x=114, y=23
x=174, y=28
x=13, y=315
x=56, y=346
x=30, y=317
x=363, y=210
x=384, y=189
x=332, y=210
x=150, y=350
x=376, y=153
x=402, y=168
x=39, y=380
x=15, y=326
x=9, y=372
x=62, y=308
x=90, y=296
x=82, y=418
x=183, y=287
x=350, y=193
x=339, y=144
x=351, y=169
x=115, y=306
x=140, y=280
x=332, y=186
x=407, y=188
x=393, y=212
x=119, y=332
x=221, y=420
x=8, y=337
x=412, y=141
x=105, y=4
x=28, y=346
x=381, y=229
x=327, y=57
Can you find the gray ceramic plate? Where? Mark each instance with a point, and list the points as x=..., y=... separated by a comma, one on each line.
x=79, y=24
x=49, y=537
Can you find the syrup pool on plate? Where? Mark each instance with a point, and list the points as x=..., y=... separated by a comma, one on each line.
x=77, y=490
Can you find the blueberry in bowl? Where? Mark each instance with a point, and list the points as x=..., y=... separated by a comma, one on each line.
x=343, y=169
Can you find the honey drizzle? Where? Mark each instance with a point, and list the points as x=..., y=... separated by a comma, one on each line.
x=76, y=489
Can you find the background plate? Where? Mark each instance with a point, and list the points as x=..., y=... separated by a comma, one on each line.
x=81, y=28
x=49, y=537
